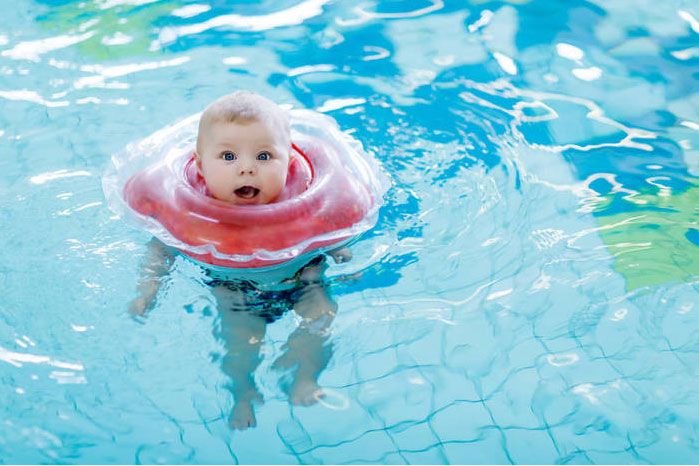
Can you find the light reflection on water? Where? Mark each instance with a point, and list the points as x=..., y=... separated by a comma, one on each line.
x=528, y=295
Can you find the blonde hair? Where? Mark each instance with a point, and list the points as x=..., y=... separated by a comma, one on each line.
x=244, y=107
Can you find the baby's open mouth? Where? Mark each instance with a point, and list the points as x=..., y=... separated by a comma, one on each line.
x=247, y=192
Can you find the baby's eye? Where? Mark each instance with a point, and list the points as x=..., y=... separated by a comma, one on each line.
x=228, y=156
x=264, y=156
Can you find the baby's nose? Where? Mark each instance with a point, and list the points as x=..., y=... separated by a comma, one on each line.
x=247, y=169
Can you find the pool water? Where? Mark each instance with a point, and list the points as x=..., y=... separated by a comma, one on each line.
x=528, y=295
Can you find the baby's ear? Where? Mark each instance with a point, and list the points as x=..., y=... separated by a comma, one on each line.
x=197, y=161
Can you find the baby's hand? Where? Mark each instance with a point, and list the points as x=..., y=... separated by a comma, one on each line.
x=341, y=255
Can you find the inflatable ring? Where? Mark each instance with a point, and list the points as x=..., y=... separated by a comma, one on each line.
x=333, y=193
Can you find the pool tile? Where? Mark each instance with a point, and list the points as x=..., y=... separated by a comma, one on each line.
x=397, y=397
x=530, y=446
x=434, y=455
x=488, y=449
x=416, y=438
x=369, y=447
x=510, y=404
x=461, y=422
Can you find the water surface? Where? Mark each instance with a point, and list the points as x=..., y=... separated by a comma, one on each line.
x=529, y=293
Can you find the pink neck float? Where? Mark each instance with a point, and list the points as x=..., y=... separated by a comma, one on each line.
x=332, y=194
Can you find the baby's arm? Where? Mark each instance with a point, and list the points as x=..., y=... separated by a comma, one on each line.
x=155, y=265
x=341, y=255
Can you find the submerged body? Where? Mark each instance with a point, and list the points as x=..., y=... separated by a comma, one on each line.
x=244, y=309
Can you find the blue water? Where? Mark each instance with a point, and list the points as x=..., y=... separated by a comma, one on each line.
x=529, y=294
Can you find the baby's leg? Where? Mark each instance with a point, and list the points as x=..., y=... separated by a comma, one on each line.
x=306, y=353
x=242, y=333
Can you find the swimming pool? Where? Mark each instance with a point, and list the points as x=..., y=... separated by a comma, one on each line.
x=529, y=293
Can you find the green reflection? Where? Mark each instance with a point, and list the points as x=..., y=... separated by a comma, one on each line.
x=650, y=246
x=118, y=31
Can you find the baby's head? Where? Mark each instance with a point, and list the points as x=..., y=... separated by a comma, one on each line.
x=243, y=148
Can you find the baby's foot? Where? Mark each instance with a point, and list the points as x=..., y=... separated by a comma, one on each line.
x=242, y=416
x=139, y=307
x=305, y=393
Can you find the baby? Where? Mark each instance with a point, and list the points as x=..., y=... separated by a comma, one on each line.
x=243, y=153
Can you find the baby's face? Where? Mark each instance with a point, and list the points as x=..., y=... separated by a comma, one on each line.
x=243, y=163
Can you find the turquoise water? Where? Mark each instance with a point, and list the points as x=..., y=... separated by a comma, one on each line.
x=529, y=293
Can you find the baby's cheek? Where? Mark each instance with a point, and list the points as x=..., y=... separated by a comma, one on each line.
x=280, y=176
